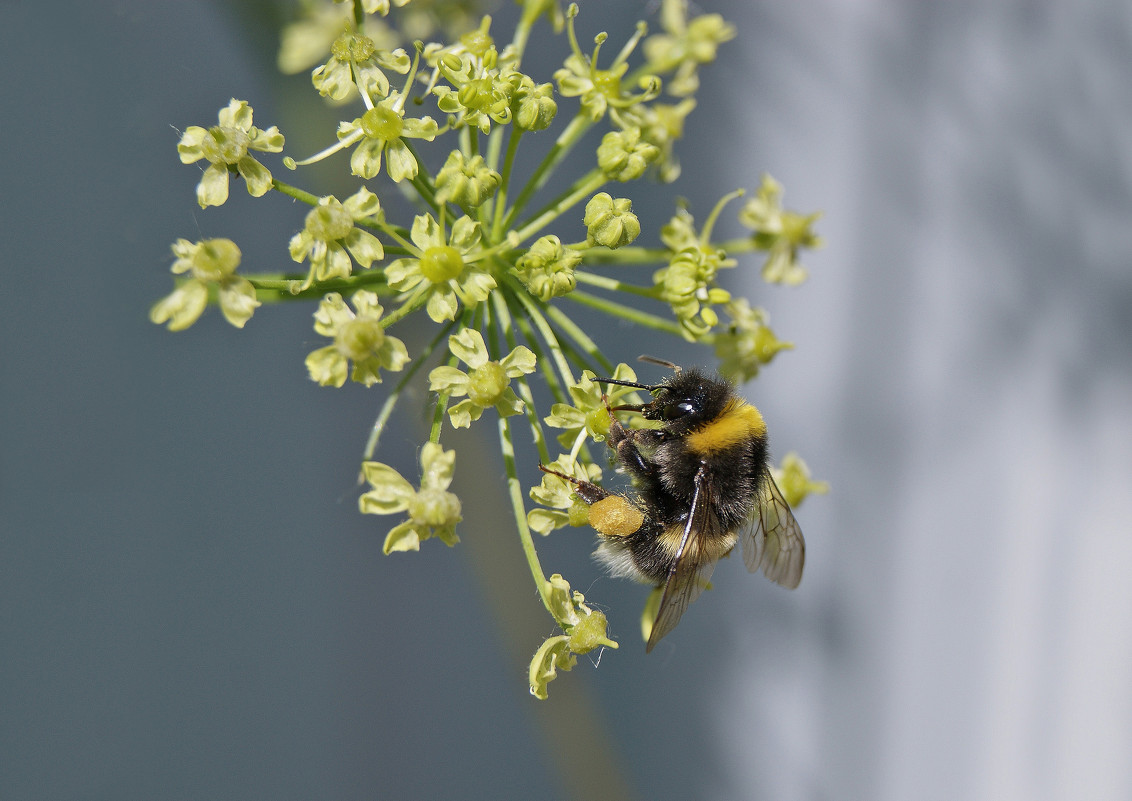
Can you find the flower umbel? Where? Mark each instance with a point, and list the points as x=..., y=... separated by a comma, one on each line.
x=433, y=510
x=588, y=416
x=476, y=222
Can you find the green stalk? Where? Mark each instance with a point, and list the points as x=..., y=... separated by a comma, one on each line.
x=626, y=312
x=515, y=491
x=562, y=147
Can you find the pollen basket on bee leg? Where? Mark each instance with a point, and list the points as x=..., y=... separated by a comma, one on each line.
x=614, y=516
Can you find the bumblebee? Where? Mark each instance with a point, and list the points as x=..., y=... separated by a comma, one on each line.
x=702, y=483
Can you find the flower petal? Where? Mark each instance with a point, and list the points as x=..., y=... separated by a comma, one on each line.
x=402, y=538
x=238, y=301
x=442, y=305
x=448, y=379
x=468, y=346
x=213, y=187
x=257, y=176
x=364, y=247
x=400, y=161
x=182, y=307
x=327, y=367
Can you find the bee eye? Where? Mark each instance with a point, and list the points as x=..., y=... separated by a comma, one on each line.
x=678, y=410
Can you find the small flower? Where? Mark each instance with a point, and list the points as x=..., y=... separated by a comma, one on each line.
x=532, y=105
x=779, y=232
x=585, y=630
x=601, y=89
x=624, y=155
x=356, y=61
x=686, y=45
x=486, y=383
x=330, y=236
x=547, y=268
x=383, y=129
x=610, y=222
x=564, y=507
x=747, y=344
x=481, y=90
x=433, y=511
x=447, y=270
x=225, y=147
x=210, y=263
x=466, y=182
x=359, y=336
x=793, y=478
x=687, y=284
x=589, y=416
x=661, y=124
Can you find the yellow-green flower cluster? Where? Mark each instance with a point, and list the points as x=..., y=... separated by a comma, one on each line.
x=479, y=215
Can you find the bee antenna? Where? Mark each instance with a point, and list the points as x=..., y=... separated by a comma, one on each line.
x=633, y=384
x=660, y=362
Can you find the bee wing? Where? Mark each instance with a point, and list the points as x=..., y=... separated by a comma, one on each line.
x=773, y=540
x=689, y=573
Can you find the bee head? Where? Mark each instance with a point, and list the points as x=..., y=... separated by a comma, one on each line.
x=688, y=400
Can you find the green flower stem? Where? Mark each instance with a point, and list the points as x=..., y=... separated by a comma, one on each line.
x=514, y=135
x=271, y=289
x=626, y=312
x=515, y=490
x=744, y=245
x=418, y=299
x=523, y=30
x=294, y=191
x=562, y=147
x=472, y=147
x=556, y=389
x=582, y=189
x=613, y=284
x=626, y=256
x=467, y=320
x=495, y=144
x=713, y=216
x=575, y=332
x=533, y=309
x=422, y=181
x=391, y=401
x=506, y=323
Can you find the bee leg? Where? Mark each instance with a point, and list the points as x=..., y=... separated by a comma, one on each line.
x=588, y=491
x=623, y=442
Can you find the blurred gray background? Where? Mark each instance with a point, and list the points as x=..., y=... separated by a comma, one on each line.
x=191, y=606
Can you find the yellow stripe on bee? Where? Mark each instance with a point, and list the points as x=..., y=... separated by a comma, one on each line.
x=738, y=422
